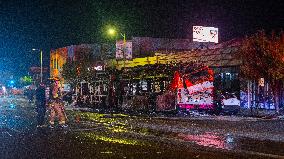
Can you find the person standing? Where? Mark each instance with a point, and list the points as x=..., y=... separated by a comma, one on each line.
x=57, y=107
x=40, y=104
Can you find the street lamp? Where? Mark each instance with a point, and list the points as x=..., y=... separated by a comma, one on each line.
x=40, y=63
x=112, y=32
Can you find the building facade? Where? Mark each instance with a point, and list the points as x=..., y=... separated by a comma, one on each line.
x=229, y=87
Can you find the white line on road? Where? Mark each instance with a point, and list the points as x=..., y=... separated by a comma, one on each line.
x=87, y=129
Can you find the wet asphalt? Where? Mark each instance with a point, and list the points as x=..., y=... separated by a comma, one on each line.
x=98, y=135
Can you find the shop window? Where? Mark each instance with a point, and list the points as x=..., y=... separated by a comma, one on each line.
x=57, y=64
x=85, y=89
x=54, y=63
x=51, y=63
x=230, y=82
x=143, y=85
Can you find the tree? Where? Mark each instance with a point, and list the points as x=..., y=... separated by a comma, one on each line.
x=262, y=56
x=69, y=72
x=75, y=72
x=26, y=80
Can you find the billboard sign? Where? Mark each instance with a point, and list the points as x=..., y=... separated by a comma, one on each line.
x=99, y=68
x=123, y=50
x=199, y=94
x=205, y=34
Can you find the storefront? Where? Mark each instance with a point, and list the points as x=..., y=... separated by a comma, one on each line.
x=164, y=87
x=137, y=88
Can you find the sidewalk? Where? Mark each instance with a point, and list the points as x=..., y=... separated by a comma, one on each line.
x=193, y=116
x=219, y=118
x=240, y=127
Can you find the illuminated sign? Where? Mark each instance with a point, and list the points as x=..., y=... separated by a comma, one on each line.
x=198, y=94
x=98, y=68
x=261, y=82
x=205, y=34
x=66, y=87
x=123, y=50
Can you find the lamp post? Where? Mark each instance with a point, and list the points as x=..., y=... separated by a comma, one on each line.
x=123, y=50
x=40, y=63
x=112, y=32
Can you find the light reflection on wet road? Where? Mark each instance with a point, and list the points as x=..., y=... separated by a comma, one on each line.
x=207, y=140
x=96, y=135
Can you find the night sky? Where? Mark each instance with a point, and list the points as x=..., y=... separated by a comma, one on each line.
x=51, y=24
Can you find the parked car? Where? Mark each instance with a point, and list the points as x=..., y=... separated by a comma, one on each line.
x=230, y=104
x=16, y=91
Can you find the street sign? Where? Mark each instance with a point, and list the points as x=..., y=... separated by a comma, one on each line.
x=123, y=50
x=261, y=82
x=205, y=34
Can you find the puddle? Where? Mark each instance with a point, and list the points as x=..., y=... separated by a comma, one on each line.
x=209, y=140
x=230, y=142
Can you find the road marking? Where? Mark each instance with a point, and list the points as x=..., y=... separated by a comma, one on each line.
x=15, y=130
x=7, y=133
x=86, y=129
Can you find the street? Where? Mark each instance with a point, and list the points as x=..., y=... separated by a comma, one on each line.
x=99, y=135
